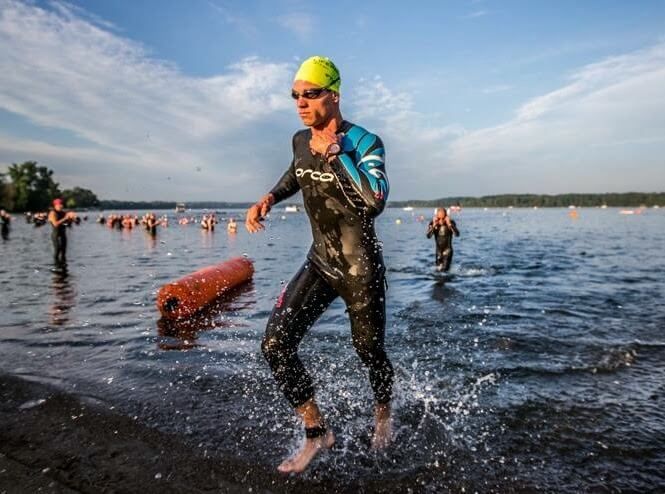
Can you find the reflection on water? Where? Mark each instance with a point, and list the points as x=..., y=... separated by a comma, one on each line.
x=63, y=296
x=182, y=334
x=440, y=291
x=207, y=238
x=151, y=240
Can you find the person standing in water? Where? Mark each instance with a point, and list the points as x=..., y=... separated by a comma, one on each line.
x=339, y=167
x=442, y=228
x=151, y=223
x=5, y=221
x=59, y=219
x=232, y=226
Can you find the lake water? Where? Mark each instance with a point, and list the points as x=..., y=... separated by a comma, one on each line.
x=538, y=362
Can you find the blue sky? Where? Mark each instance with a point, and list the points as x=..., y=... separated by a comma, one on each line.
x=190, y=100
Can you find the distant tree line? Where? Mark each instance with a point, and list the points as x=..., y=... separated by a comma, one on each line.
x=30, y=187
x=120, y=205
x=627, y=199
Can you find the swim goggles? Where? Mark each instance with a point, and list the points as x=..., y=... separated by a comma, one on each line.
x=312, y=93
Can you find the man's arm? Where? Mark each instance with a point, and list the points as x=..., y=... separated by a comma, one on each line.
x=362, y=173
x=430, y=229
x=285, y=187
x=453, y=227
x=55, y=222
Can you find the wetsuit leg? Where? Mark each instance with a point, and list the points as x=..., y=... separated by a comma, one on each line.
x=301, y=303
x=56, y=247
x=59, y=248
x=448, y=260
x=367, y=310
x=443, y=259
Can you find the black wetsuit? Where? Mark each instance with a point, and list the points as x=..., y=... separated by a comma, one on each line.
x=151, y=227
x=443, y=235
x=341, y=198
x=59, y=238
x=5, y=226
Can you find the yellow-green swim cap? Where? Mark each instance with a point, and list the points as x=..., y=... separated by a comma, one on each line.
x=320, y=71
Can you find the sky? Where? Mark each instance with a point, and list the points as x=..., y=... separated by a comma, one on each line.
x=190, y=100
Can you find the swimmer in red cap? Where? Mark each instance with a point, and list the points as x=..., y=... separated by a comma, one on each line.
x=59, y=219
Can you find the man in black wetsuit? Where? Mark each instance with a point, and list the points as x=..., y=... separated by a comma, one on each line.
x=442, y=227
x=339, y=167
x=59, y=220
x=5, y=220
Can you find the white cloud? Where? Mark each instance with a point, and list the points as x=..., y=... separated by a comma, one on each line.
x=415, y=141
x=300, y=24
x=601, y=128
x=59, y=70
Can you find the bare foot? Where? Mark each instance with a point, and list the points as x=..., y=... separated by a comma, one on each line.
x=383, y=429
x=308, y=451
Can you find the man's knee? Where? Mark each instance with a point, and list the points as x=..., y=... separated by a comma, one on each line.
x=369, y=349
x=275, y=349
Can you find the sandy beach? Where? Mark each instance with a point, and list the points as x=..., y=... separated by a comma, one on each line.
x=54, y=442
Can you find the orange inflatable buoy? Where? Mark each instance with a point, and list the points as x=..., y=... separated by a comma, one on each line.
x=186, y=296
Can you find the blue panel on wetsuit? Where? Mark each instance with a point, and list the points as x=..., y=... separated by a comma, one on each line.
x=350, y=168
x=365, y=143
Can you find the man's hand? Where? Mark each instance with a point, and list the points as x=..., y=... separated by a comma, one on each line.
x=258, y=212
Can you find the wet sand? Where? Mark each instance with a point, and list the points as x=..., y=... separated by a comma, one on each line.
x=55, y=442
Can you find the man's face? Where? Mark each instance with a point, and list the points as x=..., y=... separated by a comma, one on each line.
x=314, y=112
x=57, y=206
x=441, y=215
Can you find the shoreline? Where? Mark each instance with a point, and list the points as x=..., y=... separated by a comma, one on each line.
x=57, y=442
x=53, y=441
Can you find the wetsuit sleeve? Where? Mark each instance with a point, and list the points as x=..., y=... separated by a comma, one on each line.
x=362, y=174
x=454, y=227
x=430, y=229
x=288, y=184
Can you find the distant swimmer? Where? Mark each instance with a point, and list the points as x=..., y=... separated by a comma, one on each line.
x=129, y=221
x=150, y=223
x=232, y=226
x=442, y=227
x=5, y=221
x=208, y=222
x=59, y=220
x=339, y=168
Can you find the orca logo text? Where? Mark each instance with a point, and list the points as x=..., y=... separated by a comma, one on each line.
x=322, y=177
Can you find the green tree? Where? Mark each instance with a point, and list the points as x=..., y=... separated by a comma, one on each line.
x=80, y=198
x=34, y=187
x=4, y=193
